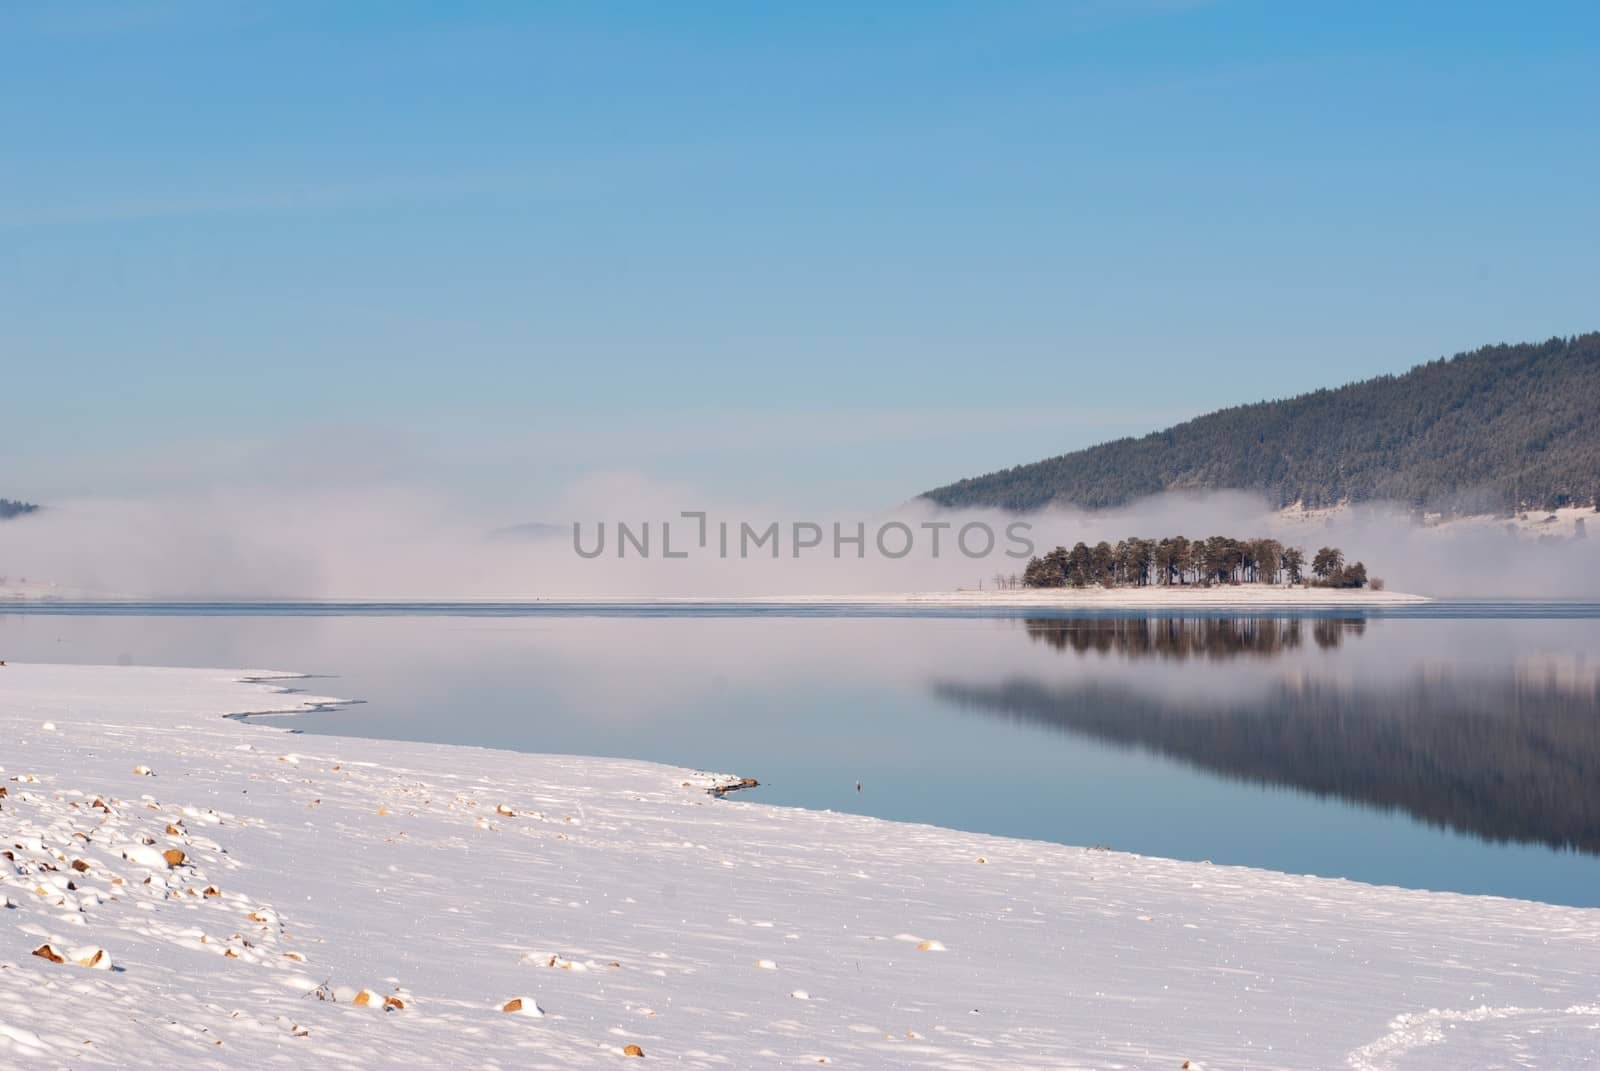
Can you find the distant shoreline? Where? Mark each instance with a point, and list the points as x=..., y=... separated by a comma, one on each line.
x=1177, y=596
x=1243, y=596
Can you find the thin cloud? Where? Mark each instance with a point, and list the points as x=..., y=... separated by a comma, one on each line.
x=288, y=198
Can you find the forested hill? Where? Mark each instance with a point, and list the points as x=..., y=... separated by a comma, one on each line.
x=11, y=508
x=1486, y=431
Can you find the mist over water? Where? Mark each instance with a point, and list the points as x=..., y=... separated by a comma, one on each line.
x=403, y=542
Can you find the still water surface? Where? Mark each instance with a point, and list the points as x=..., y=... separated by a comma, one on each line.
x=1444, y=747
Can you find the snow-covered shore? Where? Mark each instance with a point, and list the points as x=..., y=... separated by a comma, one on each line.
x=1223, y=597
x=637, y=910
x=1242, y=596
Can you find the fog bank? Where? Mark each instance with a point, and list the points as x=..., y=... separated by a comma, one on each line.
x=394, y=542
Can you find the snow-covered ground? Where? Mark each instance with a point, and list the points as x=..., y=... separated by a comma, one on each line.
x=1154, y=597
x=635, y=909
x=1243, y=596
x=1563, y=522
x=23, y=588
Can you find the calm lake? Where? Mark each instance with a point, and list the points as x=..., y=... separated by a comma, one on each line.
x=1444, y=747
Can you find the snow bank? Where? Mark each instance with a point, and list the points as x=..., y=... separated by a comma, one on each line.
x=264, y=899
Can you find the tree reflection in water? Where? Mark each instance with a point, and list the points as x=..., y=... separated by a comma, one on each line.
x=1190, y=637
x=1496, y=753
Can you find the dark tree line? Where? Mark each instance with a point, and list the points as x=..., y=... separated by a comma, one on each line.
x=10, y=508
x=1175, y=561
x=1501, y=429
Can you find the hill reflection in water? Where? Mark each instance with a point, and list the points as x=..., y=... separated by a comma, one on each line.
x=1505, y=752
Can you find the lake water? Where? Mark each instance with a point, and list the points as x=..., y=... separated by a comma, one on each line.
x=1444, y=747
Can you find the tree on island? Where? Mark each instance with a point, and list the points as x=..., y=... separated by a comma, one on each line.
x=1049, y=571
x=1080, y=565
x=1136, y=562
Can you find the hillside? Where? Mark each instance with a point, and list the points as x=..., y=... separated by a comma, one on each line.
x=1485, y=431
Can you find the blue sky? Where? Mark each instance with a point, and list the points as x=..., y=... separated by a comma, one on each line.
x=827, y=253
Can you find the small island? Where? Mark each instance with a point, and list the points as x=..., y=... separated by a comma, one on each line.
x=1169, y=573
x=1178, y=562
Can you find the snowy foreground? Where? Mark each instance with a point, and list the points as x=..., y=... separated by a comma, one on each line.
x=355, y=903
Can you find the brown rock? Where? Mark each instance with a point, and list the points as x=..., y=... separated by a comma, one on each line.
x=95, y=959
x=46, y=952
